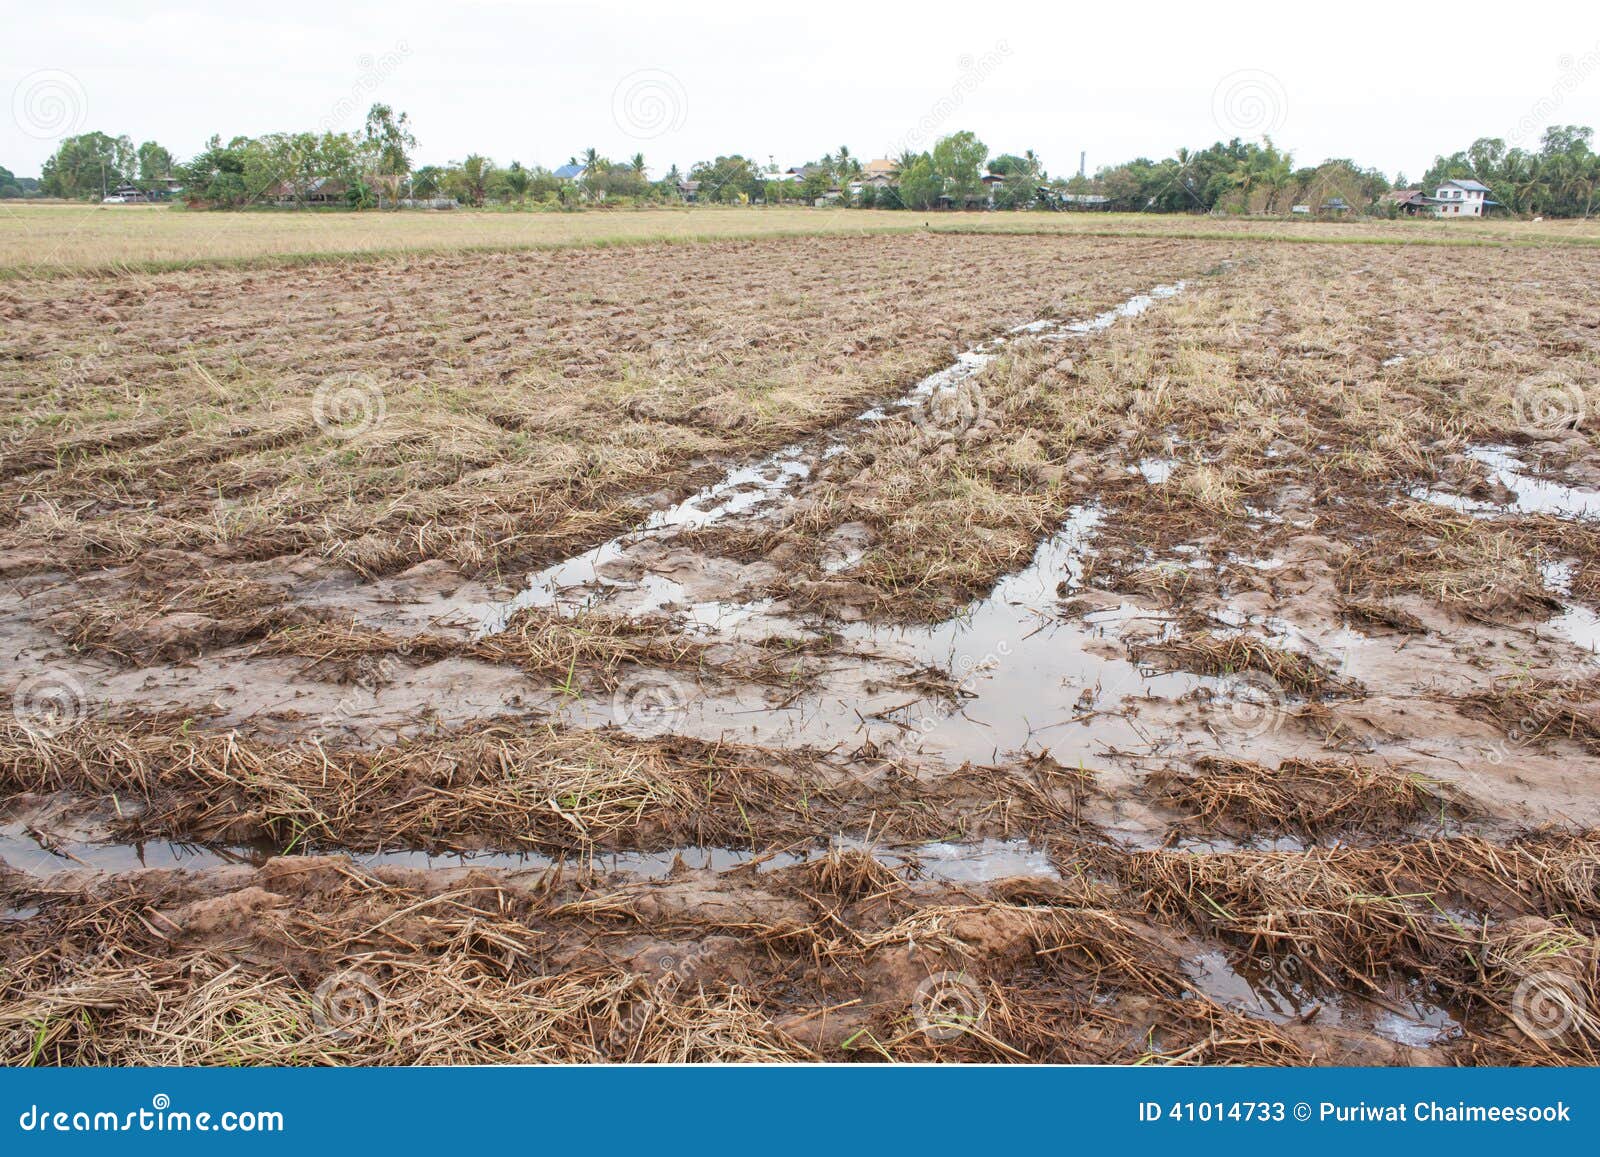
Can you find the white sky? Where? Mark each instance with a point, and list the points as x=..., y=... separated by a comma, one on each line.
x=1388, y=85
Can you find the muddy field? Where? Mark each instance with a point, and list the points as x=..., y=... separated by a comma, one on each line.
x=907, y=647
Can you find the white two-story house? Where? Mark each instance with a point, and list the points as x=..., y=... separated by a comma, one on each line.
x=1463, y=198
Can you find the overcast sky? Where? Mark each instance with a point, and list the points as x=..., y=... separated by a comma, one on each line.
x=1387, y=85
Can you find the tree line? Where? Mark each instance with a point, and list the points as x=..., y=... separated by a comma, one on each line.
x=373, y=168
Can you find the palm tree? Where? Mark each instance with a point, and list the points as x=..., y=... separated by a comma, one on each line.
x=475, y=174
x=637, y=165
x=1243, y=178
x=1591, y=179
x=1276, y=171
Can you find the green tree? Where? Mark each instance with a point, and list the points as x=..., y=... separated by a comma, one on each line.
x=388, y=144
x=730, y=179
x=920, y=186
x=469, y=181
x=216, y=175
x=154, y=165
x=958, y=161
x=515, y=180
x=88, y=165
x=427, y=181
x=1276, y=171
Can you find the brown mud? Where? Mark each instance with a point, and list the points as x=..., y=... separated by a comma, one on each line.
x=1194, y=665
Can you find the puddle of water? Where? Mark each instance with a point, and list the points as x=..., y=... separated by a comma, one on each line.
x=1272, y=990
x=577, y=582
x=1532, y=495
x=22, y=852
x=1576, y=623
x=1579, y=626
x=1022, y=674
x=1421, y=1026
x=646, y=865
x=980, y=862
x=985, y=861
x=1155, y=470
x=1557, y=577
x=1255, y=563
x=1021, y=671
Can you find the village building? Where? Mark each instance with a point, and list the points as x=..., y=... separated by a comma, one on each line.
x=321, y=191
x=1407, y=201
x=880, y=173
x=1462, y=198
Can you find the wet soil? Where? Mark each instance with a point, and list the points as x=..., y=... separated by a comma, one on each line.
x=980, y=771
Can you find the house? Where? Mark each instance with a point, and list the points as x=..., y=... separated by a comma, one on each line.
x=1334, y=205
x=991, y=183
x=689, y=190
x=881, y=172
x=1463, y=198
x=322, y=191
x=571, y=172
x=1407, y=201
